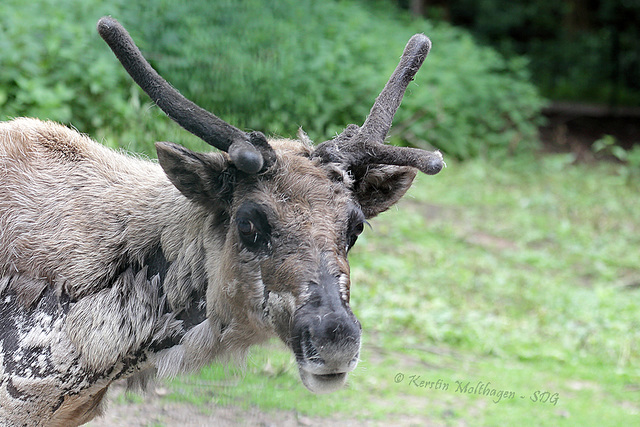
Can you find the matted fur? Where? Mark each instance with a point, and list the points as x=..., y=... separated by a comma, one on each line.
x=113, y=266
x=108, y=271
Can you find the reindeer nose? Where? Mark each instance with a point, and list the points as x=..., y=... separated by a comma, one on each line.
x=325, y=333
x=328, y=341
x=335, y=328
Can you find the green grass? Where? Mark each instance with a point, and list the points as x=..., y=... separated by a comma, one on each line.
x=524, y=275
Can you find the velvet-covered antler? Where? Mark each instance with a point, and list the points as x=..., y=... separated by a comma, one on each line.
x=356, y=147
x=249, y=152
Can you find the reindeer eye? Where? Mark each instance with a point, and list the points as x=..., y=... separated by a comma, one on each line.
x=358, y=229
x=246, y=227
x=249, y=234
x=253, y=227
x=355, y=229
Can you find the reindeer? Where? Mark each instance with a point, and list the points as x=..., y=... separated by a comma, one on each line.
x=115, y=267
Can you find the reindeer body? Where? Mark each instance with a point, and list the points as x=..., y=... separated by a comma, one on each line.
x=88, y=238
x=115, y=267
x=85, y=233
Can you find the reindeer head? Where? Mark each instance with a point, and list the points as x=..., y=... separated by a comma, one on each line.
x=284, y=215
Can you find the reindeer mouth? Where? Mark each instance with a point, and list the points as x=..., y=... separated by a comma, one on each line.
x=318, y=374
x=322, y=383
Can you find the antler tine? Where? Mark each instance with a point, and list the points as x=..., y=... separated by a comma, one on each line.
x=378, y=123
x=248, y=151
x=358, y=147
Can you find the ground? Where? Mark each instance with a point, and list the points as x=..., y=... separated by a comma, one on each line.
x=153, y=410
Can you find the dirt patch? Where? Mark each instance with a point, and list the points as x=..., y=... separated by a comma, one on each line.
x=153, y=410
x=491, y=242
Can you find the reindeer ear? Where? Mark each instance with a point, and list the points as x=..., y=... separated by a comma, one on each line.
x=205, y=178
x=380, y=186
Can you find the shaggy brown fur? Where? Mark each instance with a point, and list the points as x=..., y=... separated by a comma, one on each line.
x=115, y=267
x=111, y=267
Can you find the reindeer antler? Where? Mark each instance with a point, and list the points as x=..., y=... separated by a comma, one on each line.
x=356, y=147
x=249, y=152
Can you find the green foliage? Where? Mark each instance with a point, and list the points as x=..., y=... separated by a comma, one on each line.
x=277, y=66
x=52, y=65
x=630, y=168
x=270, y=66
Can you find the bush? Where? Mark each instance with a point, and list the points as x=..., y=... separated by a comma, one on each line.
x=270, y=66
x=54, y=67
x=275, y=66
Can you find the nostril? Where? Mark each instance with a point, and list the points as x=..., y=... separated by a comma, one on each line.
x=333, y=330
x=309, y=350
x=336, y=328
